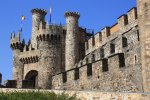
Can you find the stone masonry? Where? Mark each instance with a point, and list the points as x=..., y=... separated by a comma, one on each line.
x=115, y=59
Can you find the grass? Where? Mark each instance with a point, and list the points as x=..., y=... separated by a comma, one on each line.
x=31, y=95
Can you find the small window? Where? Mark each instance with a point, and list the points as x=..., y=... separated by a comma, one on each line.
x=89, y=69
x=76, y=75
x=64, y=74
x=105, y=65
x=124, y=42
x=135, y=58
x=138, y=35
x=93, y=57
x=102, y=53
x=87, y=60
x=112, y=48
x=121, y=60
x=125, y=20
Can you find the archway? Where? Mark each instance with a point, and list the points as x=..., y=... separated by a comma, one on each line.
x=32, y=76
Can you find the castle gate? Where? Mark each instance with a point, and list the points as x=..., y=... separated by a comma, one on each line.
x=32, y=76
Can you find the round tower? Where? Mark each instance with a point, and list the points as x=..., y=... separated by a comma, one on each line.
x=49, y=44
x=143, y=7
x=18, y=66
x=72, y=40
x=38, y=15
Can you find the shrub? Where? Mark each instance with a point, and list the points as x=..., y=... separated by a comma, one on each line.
x=32, y=95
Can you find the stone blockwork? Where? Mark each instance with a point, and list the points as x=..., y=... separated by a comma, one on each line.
x=112, y=61
x=72, y=40
x=144, y=30
x=69, y=57
x=90, y=95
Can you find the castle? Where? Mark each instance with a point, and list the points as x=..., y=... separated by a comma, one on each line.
x=116, y=59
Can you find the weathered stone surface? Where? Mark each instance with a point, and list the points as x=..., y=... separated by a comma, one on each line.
x=144, y=30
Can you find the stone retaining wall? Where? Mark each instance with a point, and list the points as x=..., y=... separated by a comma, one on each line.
x=93, y=95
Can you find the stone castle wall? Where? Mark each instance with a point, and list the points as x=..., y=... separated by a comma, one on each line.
x=115, y=64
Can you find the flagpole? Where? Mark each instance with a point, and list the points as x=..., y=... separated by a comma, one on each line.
x=22, y=19
x=21, y=27
x=50, y=21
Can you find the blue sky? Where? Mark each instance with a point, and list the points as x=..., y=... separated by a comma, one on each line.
x=95, y=14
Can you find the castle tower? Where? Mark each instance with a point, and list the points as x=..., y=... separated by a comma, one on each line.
x=17, y=46
x=72, y=41
x=49, y=44
x=38, y=15
x=143, y=7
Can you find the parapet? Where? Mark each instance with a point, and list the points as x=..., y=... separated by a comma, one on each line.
x=74, y=14
x=128, y=18
x=15, y=41
x=39, y=11
x=90, y=72
x=132, y=14
x=49, y=32
x=124, y=23
x=105, y=32
x=29, y=56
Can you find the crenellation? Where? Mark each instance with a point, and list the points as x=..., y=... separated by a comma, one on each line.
x=41, y=11
x=132, y=15
x=122, y=21
x=98, y=40
x=74, y=14
x=25, y=48
x=15, y=40
x=105, y=33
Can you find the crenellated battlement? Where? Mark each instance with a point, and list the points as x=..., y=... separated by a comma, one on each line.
x=125, y=23
x=15, y=42
x=39, y=11
x=90, y=73
x=74, y=14
x=49, y=32
x=31, y=56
